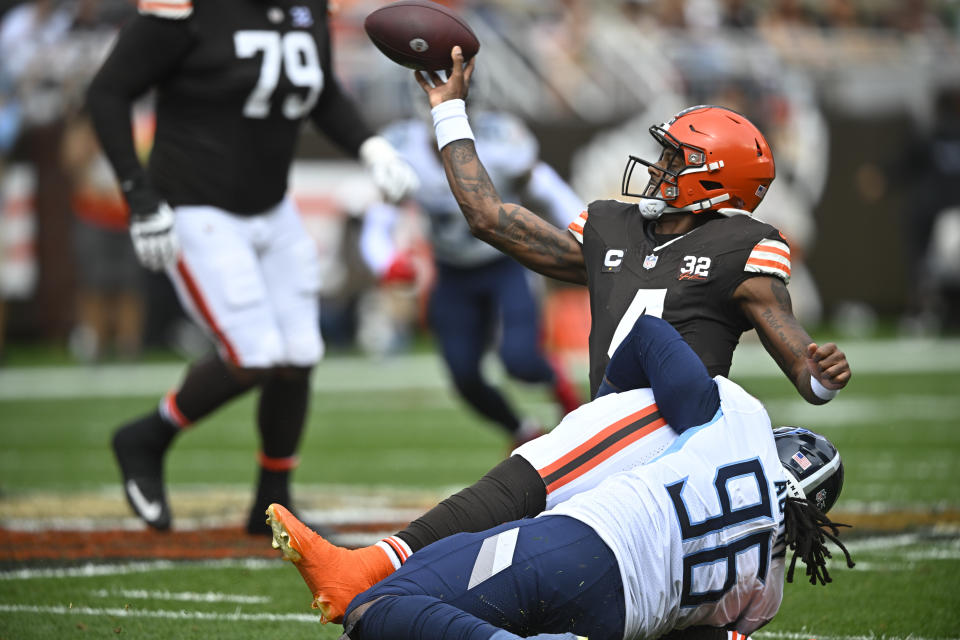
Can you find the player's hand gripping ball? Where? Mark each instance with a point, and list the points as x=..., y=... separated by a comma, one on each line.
x=419, y=34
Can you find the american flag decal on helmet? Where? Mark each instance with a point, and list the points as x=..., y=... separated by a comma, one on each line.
x=801, y=460
x=771, y=257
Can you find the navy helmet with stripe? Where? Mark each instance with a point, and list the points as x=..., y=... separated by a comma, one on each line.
x=812, y=465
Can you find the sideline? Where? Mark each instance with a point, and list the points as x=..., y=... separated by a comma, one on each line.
x=425, y=371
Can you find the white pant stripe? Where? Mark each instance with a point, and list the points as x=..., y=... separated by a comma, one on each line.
x=496, y=554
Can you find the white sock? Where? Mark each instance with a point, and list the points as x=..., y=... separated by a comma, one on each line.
x=396, y=549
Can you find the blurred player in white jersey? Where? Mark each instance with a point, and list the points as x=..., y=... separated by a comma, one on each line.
x=480, y=294
x=695, y=538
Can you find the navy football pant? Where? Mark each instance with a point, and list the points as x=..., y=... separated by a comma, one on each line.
x=551, y=574
x=466, y=309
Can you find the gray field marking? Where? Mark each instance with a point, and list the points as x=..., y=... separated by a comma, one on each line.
x=315, y=619
x=425, y=371
x=120, y=612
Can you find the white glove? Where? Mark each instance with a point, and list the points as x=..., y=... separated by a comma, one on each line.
x=395, y=178
x=154, y=238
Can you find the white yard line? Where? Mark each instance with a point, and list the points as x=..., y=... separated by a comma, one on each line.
x=179, y=596
x=425, y=371
x=119, y=612
x=808, y=635
x=342, y=507
x=315, y=619
x=126, y=568
x=849, y=411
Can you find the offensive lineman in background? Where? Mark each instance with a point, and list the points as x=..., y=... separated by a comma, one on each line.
x=234, y=80
x=480, y=294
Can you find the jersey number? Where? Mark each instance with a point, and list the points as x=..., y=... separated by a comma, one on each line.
x=294, y=53
x=729, y=517
x=692, y=265
x=649, y=301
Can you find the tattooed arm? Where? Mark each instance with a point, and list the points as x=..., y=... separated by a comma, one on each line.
x=511, y=228
x=766, y=303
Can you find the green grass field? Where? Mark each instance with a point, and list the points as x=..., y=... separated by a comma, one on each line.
x=394, y=424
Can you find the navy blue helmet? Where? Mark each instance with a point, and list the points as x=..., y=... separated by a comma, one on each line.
x=812, y=465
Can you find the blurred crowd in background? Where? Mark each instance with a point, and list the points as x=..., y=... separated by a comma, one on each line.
x=860, y=100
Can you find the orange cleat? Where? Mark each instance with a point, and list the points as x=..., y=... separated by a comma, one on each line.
x=334, y=574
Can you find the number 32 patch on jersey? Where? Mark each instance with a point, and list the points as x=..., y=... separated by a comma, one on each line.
x=694, y=268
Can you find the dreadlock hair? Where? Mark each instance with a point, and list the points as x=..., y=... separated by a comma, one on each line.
x=806, y=528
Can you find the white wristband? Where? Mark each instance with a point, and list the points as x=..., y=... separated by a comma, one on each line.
x=821, y=391
x=450, y=122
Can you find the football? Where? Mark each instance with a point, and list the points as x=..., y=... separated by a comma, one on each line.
x=419, y=34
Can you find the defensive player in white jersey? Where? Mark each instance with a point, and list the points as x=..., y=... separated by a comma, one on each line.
x=697, y=535
x=479, y=294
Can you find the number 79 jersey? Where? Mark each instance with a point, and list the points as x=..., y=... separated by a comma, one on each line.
x=698, y=531
x=234, y=81
x=688, y=280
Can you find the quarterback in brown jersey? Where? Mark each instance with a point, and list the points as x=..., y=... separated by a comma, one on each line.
x=686, y=250
x=234, y=80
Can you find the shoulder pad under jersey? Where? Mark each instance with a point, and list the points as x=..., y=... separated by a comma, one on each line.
x=168, y=9
x=770, y=256
x=597, y=208
x=769, y=249
x=765, y=249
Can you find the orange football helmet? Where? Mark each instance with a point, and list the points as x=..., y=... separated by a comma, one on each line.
x=713, y=159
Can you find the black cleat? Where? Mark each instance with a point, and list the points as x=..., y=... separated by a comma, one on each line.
x=257, y=525
x=141, y=463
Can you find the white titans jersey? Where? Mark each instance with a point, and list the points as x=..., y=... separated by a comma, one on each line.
x=507, y=149
x=698, y=531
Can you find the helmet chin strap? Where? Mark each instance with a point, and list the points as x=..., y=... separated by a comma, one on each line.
x=652, y=209
x=793, y=487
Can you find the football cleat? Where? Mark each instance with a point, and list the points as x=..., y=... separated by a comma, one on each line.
x=142, y=468
x=255, y=523
x=335, y=575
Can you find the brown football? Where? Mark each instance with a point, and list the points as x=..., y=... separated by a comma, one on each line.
x=420, y=34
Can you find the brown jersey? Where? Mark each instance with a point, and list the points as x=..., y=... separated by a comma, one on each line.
x=234, y=80
x=687, y=279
